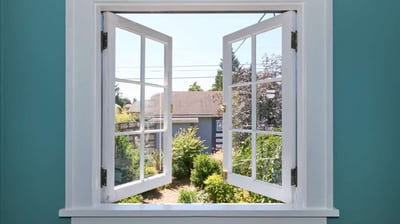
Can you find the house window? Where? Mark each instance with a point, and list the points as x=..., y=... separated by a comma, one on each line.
x=131, y=145
x=259, y=125
x=259, y=151
x=310, y=201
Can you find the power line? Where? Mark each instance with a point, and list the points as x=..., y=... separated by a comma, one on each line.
x=174, y=66
x=246, y=39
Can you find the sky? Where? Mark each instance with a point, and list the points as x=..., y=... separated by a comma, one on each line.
x=197, y=47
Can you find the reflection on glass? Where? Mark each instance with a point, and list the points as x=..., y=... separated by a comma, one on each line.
x=127, y=158
x=269, y=158
x=153, y=154
x=154, y=110
x=241, y=107
x=241, y=153
x=269, y=106
x=127, y=107
x=269, y=54
x=154, y=62
x=241, y=61
x=127, y=55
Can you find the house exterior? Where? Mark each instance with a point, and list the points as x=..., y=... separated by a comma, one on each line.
x=196, y=109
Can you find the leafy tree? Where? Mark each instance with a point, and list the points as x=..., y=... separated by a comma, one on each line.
x=269, y=95
x=269, y=117
x=195, y=88
x=121, y=101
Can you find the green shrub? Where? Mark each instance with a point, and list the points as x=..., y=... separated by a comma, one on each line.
x=268, y=157
x=218, y=191
x=150, y=171
x=179, y=169
x=127, y=159
x=133, y=199
x=187, y=196
x=185, y=147
x=203, y=167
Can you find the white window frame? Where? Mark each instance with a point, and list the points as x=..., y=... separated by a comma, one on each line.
x=314, y=194
x=285, y=191
x=110, y=192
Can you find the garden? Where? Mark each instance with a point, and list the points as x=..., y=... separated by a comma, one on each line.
x=197, y=176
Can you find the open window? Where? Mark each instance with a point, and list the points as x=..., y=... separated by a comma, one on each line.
x=260, y=118
x=313, y=196
x=259, y=123
x=137, y=137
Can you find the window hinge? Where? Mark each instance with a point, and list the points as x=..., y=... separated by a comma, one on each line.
x=294, y=176
x=294, y=40
x=224, y=175
x=104, y=40
x=103, y=178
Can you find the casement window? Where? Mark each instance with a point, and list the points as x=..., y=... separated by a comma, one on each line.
x=291, y=107
x=151, y=133
x=260, y=108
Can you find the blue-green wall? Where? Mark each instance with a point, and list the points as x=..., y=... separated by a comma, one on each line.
x=33, y=68
x=366, y=109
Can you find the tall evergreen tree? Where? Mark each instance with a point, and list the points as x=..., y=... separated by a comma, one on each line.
x=218, y=84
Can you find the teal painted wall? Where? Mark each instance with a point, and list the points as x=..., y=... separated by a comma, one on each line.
x=33, y=68
x=1, y=106
x=366, y=110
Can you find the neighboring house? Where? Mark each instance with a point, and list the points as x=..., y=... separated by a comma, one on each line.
x=196, y=109
x=133, y=108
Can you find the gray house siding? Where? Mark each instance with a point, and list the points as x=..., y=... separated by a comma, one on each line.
x=206, y=131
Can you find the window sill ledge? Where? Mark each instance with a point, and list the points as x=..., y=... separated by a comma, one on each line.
x=198, y=210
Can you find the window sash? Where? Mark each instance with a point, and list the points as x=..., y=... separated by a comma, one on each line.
x=283, y=192
x=111, y=192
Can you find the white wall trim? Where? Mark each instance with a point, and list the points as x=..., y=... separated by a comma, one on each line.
x=83, y=120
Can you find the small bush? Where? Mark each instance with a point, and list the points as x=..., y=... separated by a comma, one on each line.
x=218, y=191
x=185, y=147
x=203, y=167
x=187, y=196
x=133, y=199
x=179, y=169
x=150, y=171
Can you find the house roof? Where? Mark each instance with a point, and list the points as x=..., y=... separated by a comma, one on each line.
x=191, y=104
x=134, y=107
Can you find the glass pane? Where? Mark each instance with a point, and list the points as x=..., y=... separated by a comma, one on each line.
x=269, y=54
x=154, y=62
x=127, y=158
x=154, y=112
x=269, y=106
x=241, y=107
x=153, y=154
x=127, y=107
x=127, y=55
x=241, y=153
x=269, y=158
x=241, y=61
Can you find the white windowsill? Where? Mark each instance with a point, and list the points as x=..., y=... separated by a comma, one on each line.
x=196, y=210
